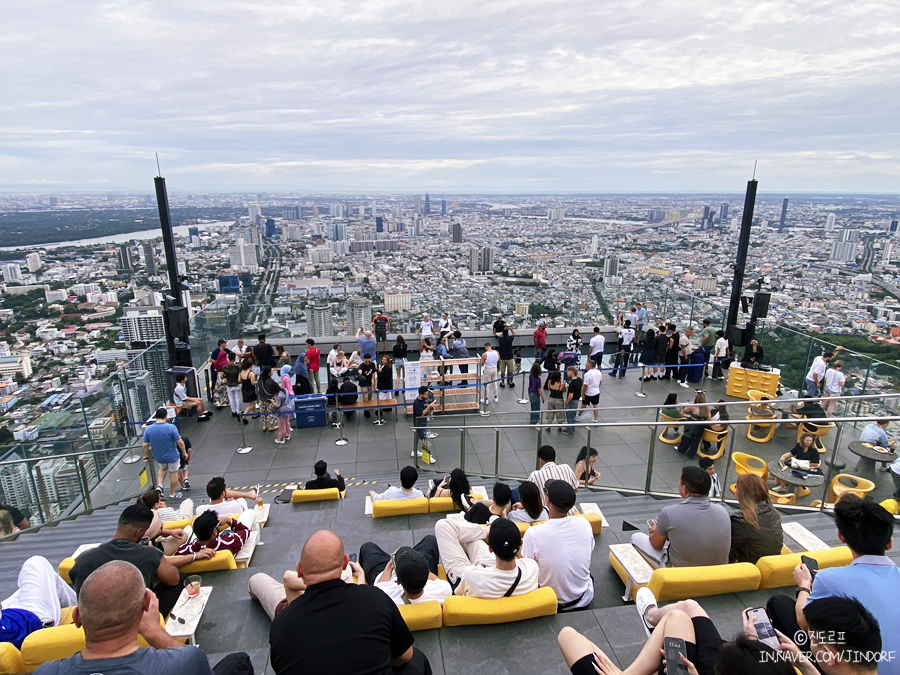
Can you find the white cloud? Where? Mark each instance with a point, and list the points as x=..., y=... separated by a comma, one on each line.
x=403, y=95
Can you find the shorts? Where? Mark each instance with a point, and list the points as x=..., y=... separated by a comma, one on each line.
x=170, y=466
x=183, y=464
x=384, y=395
x=591, y=400
x=399, y=363
x=379, y=336
x=702, y=654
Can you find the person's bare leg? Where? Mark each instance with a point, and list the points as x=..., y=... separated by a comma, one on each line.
x=575, y=646
x=173, y=482
x=690, y=607
x=161, y=477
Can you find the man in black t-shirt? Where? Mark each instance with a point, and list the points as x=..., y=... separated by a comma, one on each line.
x=323, y=481
x=265, y=355
x=366, y=379
x=422, y=405
x=573, y=396
x=499, y=325
x=380, y=325
x=18, y=518
x=507, y=355
x=349, y=395
x=335, y=627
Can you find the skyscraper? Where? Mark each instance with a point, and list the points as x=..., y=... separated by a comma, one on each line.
x=338, y=231
x=33, y=261
x=443, y=207
x=141, y=327
x=784, y=205
x=892, y=229
x=149, y=258
x=723, y=214
x=481, y=260
x=427, y=204
x=320, y=321
x=457, y=232
x=123, y=259
x=611, y=267
x=270, y=227
x=379, y=223
x=829, y=222
x=418, y=205
x=193, y=232
x=360, y=311
x=255, y=214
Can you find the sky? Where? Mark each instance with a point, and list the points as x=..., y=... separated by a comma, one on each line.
x=451, y=97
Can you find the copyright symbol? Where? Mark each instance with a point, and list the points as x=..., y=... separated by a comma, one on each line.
x=800, y=637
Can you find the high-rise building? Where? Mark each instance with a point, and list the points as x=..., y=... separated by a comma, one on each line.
x=243, y=254
x=611, y=267
x=784, y=206
x=123, y=259
x=143, y=325
x=829, y=222
x=319, y=254
x=320, y=321
x=149, y=258
x=888, y=249
x=360, y=313
x=397, y=301
x=33, y=262
x=443, y=207
x=15, y=483
x=723, y=214
x=229, y=284
x=379, y=223
x=556, y=214
x=418, y=208
x=255, y=214
x=656, y=215
x=522, y=308
x=193, y=232
x=844, y=251
x=337, y=231
x=705, y=219
x=270, y=227
x=850, y=235
x=457, y=232
x=481, y=260
x=12, y=272
x=892, y=229
x=427, y=204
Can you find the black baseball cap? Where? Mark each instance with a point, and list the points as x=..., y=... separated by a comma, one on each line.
x=504, y=538
x=560, y=494
x=411, y=568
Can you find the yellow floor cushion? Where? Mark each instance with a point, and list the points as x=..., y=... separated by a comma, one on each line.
x=595, y=519
x=64, y=568
x=422, y=615
x=399, y=507
x=441, y=504
x=681, y=583
x=177, y=524
x=10, y=659
x=299, y=496
x=778, y=570
x=465, y=611
x=222, y=560
x=50, y=644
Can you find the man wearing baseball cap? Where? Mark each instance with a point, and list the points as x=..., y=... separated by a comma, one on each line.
x=408, y=576
x=562, y=548
x=485, y=570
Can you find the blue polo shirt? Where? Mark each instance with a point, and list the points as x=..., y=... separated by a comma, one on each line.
x=162, y=438
x=366, y=346
x=874, y=580
x=17, y=624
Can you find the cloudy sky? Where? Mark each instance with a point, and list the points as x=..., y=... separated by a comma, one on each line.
x=462, y=96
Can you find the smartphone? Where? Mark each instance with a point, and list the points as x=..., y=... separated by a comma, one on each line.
x=811, y=564
x=675, y=647
x=651, y=523
x=352, y=557
x=765, y=633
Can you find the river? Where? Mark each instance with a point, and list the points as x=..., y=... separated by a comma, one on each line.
x=140, y=235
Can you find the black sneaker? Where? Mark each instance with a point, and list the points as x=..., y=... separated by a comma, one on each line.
x=159, y=489
x=502, y=385
x=187, y=484
x=367, y=413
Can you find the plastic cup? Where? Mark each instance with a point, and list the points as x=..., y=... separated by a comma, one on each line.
x=192, y=584
x=259, y=501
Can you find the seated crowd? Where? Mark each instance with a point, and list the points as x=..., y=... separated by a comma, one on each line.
x=350, y=609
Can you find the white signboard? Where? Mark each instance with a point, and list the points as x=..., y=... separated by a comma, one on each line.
x=413, y=379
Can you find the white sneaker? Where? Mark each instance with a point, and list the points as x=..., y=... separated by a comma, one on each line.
x=279, y=442
x=643, y=601
x=496, y=400
x=684, y=384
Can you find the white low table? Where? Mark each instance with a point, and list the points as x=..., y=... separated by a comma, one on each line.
x=262, y=514
x=804, y=538
x=636, y=567
x=190, y=609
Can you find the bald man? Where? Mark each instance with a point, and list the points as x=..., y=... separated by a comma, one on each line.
x=355, y=628
x=114, y=607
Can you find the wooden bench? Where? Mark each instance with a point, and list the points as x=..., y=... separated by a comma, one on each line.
x=805, y=539
x=363, y=405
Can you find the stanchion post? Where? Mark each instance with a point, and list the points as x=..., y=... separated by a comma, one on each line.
x=641, y=393
x=496, y=454
x=522, y=399
x=243, y=448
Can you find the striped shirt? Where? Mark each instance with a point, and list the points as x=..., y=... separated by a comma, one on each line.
x=553, y=471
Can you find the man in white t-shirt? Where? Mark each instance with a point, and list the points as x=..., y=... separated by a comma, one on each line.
x=549, y=470
x=815, y=378
x=407, y=576
x=598, y=343
x=686, y=347
x=223, y=501
x=562, y=547
x=407, y=489
x=484, y=570
x=590, y=392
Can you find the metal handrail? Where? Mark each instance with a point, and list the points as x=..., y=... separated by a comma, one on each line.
x=67, y=455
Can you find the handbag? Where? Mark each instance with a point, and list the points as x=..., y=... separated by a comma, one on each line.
x=801, y=464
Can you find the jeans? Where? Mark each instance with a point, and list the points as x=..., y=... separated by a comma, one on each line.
x=571, y=409
x=812, y=389
x=535, y=400
x=538, y=353
x=373, y=559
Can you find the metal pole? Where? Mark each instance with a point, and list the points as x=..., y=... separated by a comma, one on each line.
x=462, y=449
x=651, y=455
x=243, y=448
x=496, y=454
x=808, y=356
x=84, y=484
x=165, y=221
x=523, y=399
x=415, y=454
x=339, y=425
x=865, y=384
x=641, y=393
x=42, y=494
x=724, y=482
x=740, y=262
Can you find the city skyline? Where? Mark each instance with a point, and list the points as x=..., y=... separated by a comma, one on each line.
x=473, y=98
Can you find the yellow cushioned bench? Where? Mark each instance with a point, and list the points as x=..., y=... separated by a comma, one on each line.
x=595, y=519
x=10, y=659
x=177, y=524
x=65, y=566
x=222, y=560
x=299, y=496
x=681, y=583
x=778, y=570
x=422, y=615
x=441, y=505
x=399, y=507
x=465, y=611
